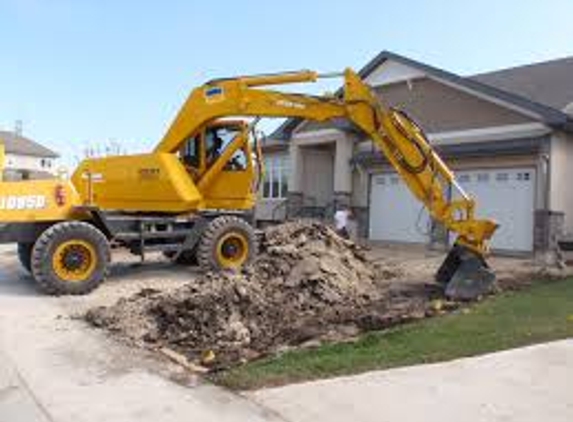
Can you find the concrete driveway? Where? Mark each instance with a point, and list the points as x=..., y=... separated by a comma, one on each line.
x=53, y=368
x=532, y=384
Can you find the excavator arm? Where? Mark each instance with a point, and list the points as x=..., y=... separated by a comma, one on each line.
x=398, y=137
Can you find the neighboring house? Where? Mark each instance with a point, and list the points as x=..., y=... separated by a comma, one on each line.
x=26, y=159
x=506, y=134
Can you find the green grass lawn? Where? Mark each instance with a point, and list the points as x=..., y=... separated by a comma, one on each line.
x=539, y=314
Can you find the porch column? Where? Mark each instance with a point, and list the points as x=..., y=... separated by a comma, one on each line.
x=343, y=170
x=296, y=168
x=294, y=195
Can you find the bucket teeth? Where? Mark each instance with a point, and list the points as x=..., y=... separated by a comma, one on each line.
x=464, y=274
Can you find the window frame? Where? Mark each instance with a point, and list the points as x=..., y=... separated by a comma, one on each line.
x=275, y=178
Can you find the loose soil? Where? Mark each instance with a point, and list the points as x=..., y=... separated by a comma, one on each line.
x=307, y=285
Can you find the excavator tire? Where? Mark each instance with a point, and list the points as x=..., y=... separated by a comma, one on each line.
x=70, y=258
x=228, y=243
x=25, y=255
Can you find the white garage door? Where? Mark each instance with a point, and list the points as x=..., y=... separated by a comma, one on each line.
x=506, y=196
x=395, y=215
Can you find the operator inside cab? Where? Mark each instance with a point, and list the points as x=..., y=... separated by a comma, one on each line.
x=214, y=145
x=215, y=140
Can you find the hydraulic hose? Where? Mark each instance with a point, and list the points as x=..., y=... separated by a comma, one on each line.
x=398, y=117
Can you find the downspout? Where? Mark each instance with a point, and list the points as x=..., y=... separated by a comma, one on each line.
x=545, y=159
x=546, y=166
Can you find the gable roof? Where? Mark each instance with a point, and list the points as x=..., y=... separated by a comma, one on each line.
x=17, y=144
x=546, y=113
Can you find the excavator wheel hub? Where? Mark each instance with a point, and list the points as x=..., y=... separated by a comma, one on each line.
x=74, y=260
x=233, y=249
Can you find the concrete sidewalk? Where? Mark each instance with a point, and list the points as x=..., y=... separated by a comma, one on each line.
x=525, y=385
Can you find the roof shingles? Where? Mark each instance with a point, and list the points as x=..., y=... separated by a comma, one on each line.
x=549, y=83
x=16, y=144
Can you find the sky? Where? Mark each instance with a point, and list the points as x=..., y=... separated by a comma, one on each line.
x=85, y=72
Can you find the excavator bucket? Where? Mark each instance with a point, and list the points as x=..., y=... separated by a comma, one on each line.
x=464, y=274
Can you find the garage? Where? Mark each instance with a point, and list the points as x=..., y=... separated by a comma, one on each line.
x=505, y=195
x=395, y=214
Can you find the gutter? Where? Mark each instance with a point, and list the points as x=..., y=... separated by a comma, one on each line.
x=466, y=150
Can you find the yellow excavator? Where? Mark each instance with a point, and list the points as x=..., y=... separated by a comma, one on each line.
x=193, y=196
x=2, y=159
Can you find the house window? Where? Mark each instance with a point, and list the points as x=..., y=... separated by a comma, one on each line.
x=502, y=177
x=275, y=181
x=483, y=177
x=46, y=163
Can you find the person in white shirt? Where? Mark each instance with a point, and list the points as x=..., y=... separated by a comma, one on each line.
x=341, y=221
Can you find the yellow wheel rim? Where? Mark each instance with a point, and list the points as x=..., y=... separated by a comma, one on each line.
x=74, y=260
x=232, y=250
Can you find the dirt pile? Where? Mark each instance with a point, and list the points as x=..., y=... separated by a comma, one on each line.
x=307, y=283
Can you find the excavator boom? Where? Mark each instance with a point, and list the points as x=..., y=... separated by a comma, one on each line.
x=396, y=136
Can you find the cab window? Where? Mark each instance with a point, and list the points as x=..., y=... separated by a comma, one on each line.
x=217, y=140
x=238, y=161
x=190, y=153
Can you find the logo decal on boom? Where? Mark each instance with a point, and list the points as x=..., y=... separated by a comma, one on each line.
x=214, y=94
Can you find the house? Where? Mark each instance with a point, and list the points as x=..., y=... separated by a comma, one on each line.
x=26, y=159
x=507, y=134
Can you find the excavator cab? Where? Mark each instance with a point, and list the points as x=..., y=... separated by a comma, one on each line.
x=219, y=159
x=200, y=151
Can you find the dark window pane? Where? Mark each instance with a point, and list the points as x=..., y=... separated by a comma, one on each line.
x=284, y=190
x=275, y=189
x=266, y=189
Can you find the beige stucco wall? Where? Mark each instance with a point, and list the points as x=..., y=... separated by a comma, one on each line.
x=440, y=108
x=360, y=181
x=318, y=174
x=561, y=169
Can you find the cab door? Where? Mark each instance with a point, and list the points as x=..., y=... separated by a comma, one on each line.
x=227, y=182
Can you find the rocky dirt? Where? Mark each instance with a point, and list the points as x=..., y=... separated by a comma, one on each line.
x=307, y=285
